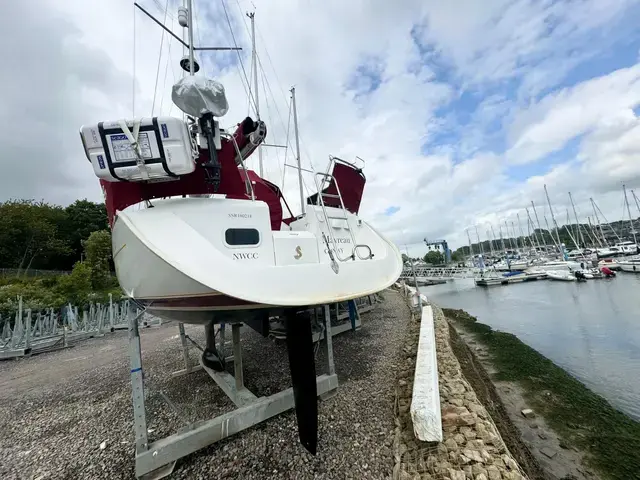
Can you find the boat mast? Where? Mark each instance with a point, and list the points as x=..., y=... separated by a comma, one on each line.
x=504, y=249
x=515, y=234
x=553, y=240
x=254, y=60
x=633, y=194
x=480, y=243
x=604, y=239
x=524, y=241
x=295, y=129
x=506, y=226
x=626, y=201
x=490, y=243
x=190, y=31
x=535, y=212
x=530, y=223
x=493, y=236
x=607, y=222
x=577, y=222
x=593, y=235
x=573, y=236
x=553, y=217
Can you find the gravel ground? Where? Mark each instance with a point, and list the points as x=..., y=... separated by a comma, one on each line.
x=57, y=408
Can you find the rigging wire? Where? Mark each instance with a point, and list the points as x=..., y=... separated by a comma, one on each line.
x=164, y=10
x=246, y=28
x=286, y=151
x=155, y=88
x=267, y=104
x=235, y=44
x=195, y=15
x=279, y=82
x=133, y=83
x=279, y=85
x=166, y=70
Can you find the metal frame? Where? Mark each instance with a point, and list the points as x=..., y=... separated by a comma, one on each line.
x=35, y=332
x=156, y=460
x=338, y=313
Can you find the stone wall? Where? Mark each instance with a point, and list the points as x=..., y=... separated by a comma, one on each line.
x=472, y=447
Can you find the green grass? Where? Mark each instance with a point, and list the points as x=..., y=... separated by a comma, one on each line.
x=610, y=439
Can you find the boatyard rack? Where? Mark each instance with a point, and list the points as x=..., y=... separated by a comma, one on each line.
x=157, y=459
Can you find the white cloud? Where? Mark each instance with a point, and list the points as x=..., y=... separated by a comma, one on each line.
x=83, y=73
x=546, y=126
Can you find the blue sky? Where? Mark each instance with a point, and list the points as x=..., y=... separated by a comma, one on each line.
x=462, y=110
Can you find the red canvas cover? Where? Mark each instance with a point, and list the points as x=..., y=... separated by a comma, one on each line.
x=351, y=181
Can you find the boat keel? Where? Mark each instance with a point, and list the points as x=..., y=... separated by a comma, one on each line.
x=303, y=376
x=210, y=357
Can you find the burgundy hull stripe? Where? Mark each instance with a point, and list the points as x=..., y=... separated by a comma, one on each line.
x=213, y=301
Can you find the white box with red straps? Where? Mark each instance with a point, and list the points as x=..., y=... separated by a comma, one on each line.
x=138, y=150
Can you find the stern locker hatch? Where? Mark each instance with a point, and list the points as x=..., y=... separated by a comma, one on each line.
x=165, y=147
x=295, y=248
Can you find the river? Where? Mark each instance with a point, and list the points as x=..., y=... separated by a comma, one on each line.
x=590, y=329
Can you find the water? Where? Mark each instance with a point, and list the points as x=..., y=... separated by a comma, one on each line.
x=590, y=329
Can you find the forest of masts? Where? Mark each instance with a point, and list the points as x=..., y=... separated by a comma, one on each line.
x=527, y=233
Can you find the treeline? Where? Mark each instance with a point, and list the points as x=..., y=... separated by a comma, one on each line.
x=38, y=235
x=539, y=237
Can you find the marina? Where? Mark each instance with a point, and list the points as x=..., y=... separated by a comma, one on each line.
x=588, y=328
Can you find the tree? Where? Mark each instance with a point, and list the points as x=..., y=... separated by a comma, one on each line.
x=75, y=287
x=457, y=256
x=98, y=253
x=82, y=218
x=39, y=235
x=434, y=257
x=29, y=236
x=405, y=258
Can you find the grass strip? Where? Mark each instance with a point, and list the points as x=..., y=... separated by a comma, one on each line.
x=609, y=438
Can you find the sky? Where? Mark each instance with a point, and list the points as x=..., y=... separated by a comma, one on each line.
x=461, y=110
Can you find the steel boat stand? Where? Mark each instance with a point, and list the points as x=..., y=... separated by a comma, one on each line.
x=157, y=459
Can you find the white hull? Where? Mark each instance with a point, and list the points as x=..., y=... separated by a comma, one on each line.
x=175, y=258
x=555, y=266
x=514, y=265
x=633, y=267
x=562, y=276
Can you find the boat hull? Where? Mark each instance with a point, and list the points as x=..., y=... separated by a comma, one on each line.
x=175, y=262
x=629, y=267
x=560, y=276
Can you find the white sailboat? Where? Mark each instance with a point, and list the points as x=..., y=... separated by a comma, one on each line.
x=232, y=247
x=185, y=268
x=199, y=238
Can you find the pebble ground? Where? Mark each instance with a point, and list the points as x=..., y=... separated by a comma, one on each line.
x=56, y=409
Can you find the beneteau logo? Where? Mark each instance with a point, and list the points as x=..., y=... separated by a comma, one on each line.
x=239, y=215
x=245, y=256
x=298, y=254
